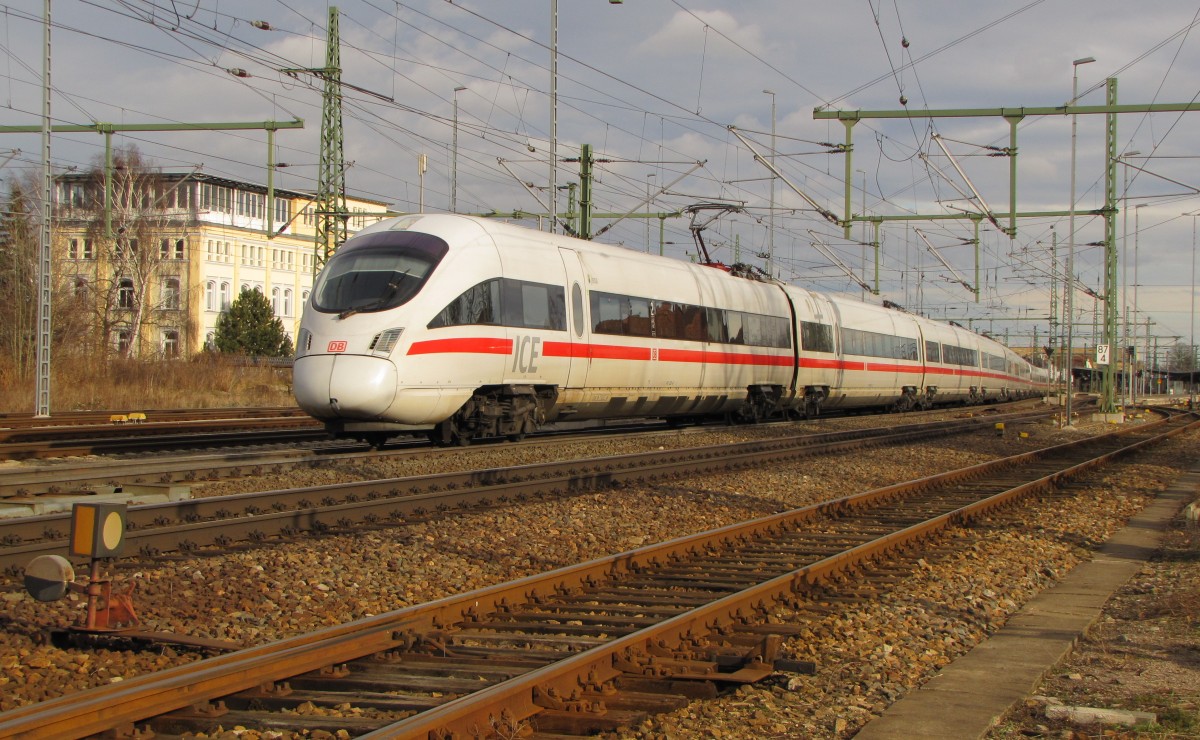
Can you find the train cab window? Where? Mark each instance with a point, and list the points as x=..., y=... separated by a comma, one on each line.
x=816, y=337
x=377, y=272
x=577, y=309
x=933, y=351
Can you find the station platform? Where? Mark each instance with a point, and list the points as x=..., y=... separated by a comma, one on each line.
x=971, y=695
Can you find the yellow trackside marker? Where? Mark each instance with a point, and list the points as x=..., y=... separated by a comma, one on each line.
x=98, y=530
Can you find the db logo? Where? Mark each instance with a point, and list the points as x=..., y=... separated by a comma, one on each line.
x=337, y=345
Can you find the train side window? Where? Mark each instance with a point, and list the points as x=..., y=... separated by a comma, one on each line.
x=666, y=320
x=691, y=323
x=532, y=305
x=637, y=317
x=606, y=313
x=477, y=305
x=735, y=332
x=815, y=337
x=715, y=320
x=577, y=309
x=933, y=351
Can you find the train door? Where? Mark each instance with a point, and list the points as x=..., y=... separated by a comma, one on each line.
x=819, y=368
x=578, y=328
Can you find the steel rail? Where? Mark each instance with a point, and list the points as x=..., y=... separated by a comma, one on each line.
x=103, y=418
x=222, y=520
x=119, y=705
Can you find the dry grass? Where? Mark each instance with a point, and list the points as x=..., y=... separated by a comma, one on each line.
x=207, y=381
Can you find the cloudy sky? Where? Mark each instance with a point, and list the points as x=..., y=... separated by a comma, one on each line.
x=653, y=86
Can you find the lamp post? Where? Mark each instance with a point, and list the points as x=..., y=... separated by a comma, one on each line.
x=771, y=214
x=454, y=156
x=422, y=165
x=863, y=239
x=647, y=219
x=1070, y=307
x=1192, y=339
x=1133, y=343
x=1125, y=266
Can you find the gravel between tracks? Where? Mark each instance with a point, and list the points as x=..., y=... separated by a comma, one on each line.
x=865, y=657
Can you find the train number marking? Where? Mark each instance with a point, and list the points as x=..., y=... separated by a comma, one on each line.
x=336, y=345
x=526, y=350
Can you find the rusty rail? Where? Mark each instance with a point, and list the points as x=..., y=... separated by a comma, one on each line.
x=568, y=683
x=224, y=520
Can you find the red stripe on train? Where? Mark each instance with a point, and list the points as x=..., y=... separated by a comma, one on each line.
x=471, y=345
x=495, y=346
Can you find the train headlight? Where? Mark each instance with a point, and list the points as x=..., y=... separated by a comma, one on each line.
x=384, y=341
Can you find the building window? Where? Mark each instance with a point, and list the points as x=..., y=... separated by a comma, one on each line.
x=210, y=341
x=287, y=302
x=89, y=250
x=210, y=296
x=170, y=293
x=170, y=343
x=124, y=341
x=281, y=211
x=170, y=249
x=80, y=287
x=125, y=294
x=224, y=296
x=126, y=248
x=179, y=197
x=275, y=301
x=216, y=198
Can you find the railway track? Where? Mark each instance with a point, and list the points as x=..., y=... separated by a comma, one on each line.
x=581, y=649
x=222, y=521
x=93, y=439
x=15, y=421
x=138, y=469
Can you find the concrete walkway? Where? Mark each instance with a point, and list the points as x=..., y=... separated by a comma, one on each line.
x=969, y=696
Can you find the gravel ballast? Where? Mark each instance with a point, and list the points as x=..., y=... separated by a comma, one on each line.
x=958, y=592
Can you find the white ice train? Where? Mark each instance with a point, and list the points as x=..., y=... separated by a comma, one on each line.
x=468, y=328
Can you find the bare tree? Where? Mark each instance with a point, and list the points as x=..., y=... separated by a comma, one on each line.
x=138, y=279
x=18, y=277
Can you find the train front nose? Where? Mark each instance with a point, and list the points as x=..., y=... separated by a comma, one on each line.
x=344, y=386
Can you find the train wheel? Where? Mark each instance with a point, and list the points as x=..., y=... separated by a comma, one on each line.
x=376, y=440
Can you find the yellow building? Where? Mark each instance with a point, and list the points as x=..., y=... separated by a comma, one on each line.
x=154, y=271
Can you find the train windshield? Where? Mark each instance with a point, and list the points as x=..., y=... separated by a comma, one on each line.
x=376, y=272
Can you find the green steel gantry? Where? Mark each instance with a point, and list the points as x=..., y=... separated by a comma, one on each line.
x=332, y=214
x=1014, y=116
